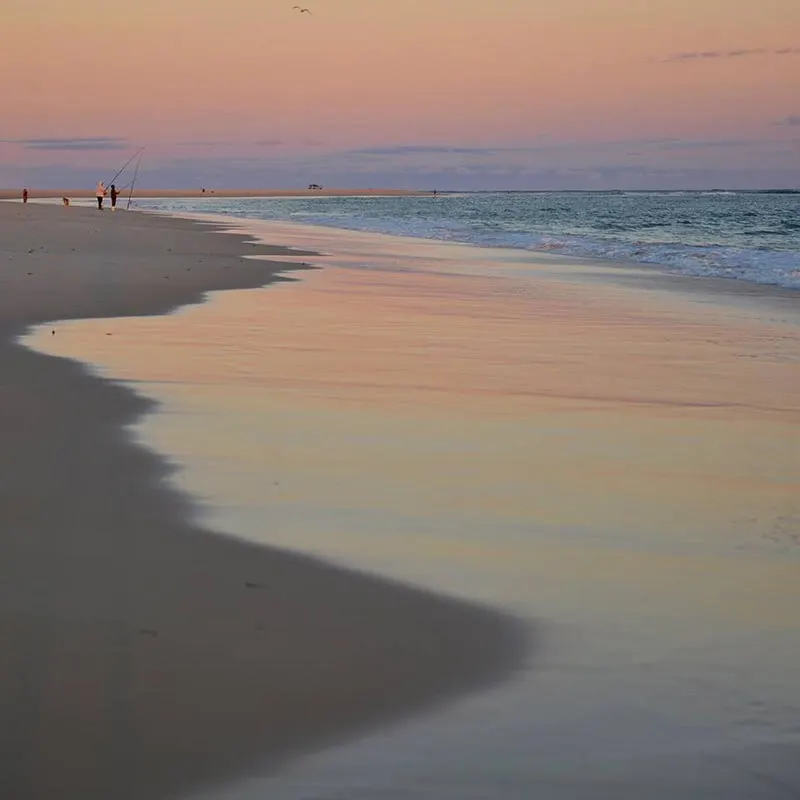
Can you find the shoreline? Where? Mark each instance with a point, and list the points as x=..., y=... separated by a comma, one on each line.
x=142, y=654
x=660, y=275
x=625, y=274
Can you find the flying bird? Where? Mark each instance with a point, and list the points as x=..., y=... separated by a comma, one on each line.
x=303, y=10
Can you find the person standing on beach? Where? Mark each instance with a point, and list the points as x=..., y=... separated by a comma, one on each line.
x=100, y=193
x=114, y=195
x=24, y=195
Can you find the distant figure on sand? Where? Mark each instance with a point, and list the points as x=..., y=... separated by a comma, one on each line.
x=100, y=194
x=24, y=195
x=114, y=194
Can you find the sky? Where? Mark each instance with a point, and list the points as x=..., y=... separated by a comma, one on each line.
x=447, y=94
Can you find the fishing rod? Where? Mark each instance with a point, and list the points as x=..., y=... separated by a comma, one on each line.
x=122, y=169
x=133, y=182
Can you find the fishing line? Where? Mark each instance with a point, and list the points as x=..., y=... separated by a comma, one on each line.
x=122, y=168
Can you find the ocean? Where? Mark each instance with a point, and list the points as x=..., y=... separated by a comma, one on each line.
x=747, y=236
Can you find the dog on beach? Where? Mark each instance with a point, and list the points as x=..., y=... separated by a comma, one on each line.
x=65, y=201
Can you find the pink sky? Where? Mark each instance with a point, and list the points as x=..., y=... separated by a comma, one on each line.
x=372, y=92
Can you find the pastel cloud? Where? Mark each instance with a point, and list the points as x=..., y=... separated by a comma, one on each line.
x=75, y=143
x=413, y=149
x=568, y=150
x=751, y=51
x=203, y=143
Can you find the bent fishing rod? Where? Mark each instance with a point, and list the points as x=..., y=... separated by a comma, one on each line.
x=124, y=166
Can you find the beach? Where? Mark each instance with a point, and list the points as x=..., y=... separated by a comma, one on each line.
x=399, y=401
x=141, y=654
x=603, y=453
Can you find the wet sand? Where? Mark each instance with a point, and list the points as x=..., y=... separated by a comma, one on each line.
x=601, y=448
x=142, y=655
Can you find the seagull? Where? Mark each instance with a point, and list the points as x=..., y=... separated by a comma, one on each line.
x=303, y=10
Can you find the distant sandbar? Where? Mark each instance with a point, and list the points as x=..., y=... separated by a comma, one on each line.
x=14, y=194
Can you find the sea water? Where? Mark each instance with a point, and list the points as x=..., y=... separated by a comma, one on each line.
x=748, y=236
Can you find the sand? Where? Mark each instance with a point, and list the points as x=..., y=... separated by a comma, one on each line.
x=141, y=655
x=605, y=449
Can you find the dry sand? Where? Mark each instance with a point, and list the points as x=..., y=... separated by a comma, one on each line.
x=140, y=655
